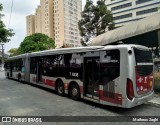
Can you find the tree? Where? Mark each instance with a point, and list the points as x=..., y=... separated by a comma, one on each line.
x=13, y=52
x=95, y=20
x=5, y=34
x=36, y=42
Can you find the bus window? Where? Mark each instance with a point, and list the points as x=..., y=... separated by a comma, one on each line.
x=143, y=61
x=110, y=70
x=110, y=66
x=76, y=66
x=52, y=65
x=33, y=66
x=22, y=69
x=17, y=64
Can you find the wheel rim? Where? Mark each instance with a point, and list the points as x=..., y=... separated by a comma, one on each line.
x=60, y=88
x=19, y=78
x=74, y=91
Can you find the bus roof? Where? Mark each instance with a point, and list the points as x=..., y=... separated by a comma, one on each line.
x=66, y=50
x=18, y=56
x=75, y=50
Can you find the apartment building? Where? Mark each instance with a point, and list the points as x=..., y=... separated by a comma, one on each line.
x=30, y=23
x=47, y=17
x=38, y=20
x=59, y=20
x=125, y=11
x=67, y=13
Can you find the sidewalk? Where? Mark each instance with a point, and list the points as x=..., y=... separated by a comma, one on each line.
x=1, y=70
x=156, y=99
x=2, y=74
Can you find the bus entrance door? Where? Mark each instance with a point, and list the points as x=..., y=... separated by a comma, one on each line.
x=39, y=71
x=11, y=68
x=91, y=77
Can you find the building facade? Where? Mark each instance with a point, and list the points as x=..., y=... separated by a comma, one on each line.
x=30, y=24
x=47, y=17
x=38, y=20
x=59, y=20
x=125, y=11
x=67, y=13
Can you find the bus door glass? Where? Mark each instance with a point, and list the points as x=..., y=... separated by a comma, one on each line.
x=33, y=69
x=39, y=69
x=109, y=74
x=11, y=68
x=91, y=71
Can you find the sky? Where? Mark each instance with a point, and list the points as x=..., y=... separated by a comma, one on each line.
x=21, y=8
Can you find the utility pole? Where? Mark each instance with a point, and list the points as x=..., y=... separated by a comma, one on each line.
x=2, y=68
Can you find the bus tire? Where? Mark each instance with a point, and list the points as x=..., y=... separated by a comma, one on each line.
x=74, y=92
x=60, y=88
x=19, y=78
x=7, y=75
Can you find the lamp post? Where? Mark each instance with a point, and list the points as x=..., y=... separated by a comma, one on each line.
x=2, y=68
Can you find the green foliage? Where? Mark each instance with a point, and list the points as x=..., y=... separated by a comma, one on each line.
x=95, y=20
x=5, y=34
x=13, y=52
x=36, y=42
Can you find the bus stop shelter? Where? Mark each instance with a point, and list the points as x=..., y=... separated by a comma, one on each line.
x=144, y=32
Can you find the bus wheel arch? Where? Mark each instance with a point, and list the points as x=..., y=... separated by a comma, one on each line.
x=59, y=86
x=74, y=90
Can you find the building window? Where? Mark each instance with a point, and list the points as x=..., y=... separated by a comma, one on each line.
x=121, y=6
x=147, y=11
x=123, y=16
x=142, y=1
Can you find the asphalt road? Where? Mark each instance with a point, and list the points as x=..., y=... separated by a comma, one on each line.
x=18, y=99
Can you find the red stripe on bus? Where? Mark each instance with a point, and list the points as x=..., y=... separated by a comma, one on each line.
x=81, y=89
x=22, y=76
x=43, y=80
x=117, y=98
x=50, y=82
x=66, y=86
x=34, y=79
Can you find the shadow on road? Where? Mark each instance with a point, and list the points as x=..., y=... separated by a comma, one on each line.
x=117, y=110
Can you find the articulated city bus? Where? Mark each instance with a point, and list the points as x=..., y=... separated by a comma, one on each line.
x=119, y=75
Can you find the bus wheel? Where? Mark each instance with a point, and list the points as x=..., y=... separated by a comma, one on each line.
x=74, y=92
x=19, y=78
x=60, y=88
x=7, y=75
